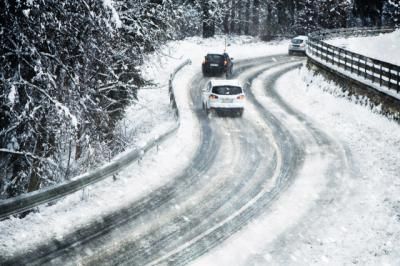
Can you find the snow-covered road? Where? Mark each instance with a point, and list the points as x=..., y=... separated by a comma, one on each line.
x=305, y=177
x=344, y=217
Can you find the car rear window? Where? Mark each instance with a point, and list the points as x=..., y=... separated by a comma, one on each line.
x=215, y=58
x=297, y=41
x=227, y=90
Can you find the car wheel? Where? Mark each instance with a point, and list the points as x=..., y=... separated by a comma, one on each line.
x=229, y=73
x=240, y=112
x=206, y=109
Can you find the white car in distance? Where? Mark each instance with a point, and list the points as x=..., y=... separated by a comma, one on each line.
x=223, y=95
x=298, y=45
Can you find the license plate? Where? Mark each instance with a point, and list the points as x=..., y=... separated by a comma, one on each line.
x=227, y=100
x=214, y=65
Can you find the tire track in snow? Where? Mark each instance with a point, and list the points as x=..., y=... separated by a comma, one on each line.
x=234, y=222
x=183, y=234
x=339, y=168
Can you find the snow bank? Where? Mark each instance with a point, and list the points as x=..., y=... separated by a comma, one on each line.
x=363, y=225
x=384, y=47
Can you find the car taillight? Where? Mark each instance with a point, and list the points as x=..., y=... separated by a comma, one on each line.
x=213, y=97
x=240, y=97
x=225, y=62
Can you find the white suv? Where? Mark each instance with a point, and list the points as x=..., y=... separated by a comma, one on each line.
x=223, y=95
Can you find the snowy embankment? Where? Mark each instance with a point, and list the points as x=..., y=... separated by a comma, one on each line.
x=361, y=224
x=384, y=47
x=144, y=121
x=365, y=226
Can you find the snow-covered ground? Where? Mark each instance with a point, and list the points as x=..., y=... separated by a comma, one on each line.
x=383, y=47
x=144, y=121
x=365, y=228
x=361, y=226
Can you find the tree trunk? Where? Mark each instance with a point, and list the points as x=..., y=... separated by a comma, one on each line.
x=78, y=148
x=34, y=181
x=226, y=17
x=240, y=18
x=233, y=15
x=208, y=21
x=256, y=17
x=247, y=23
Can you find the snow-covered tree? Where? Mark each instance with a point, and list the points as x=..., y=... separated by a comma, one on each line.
x=65, y=79
x=391, y=13
x=369, y=12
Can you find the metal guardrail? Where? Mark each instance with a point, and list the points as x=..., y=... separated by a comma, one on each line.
x=171, y=89
x=378, y=72
x=31, y=200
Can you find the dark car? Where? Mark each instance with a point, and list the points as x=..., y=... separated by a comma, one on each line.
x=217, y=64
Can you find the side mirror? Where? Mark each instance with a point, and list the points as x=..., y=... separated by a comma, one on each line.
x=232, y=58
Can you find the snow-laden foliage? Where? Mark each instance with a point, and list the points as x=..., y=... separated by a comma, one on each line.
x=271, y=18
x=391, y=12
x=68, y=69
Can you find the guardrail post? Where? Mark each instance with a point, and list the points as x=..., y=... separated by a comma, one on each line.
x=352, y=60
x=319, y=49
x=333, y=56
x=373, y=72
x=380, y=76
x=390, y=78
x=365, y=67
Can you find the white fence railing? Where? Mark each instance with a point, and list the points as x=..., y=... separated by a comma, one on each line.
x=355, y=65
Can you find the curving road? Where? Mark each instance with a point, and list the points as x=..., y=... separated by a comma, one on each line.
x=242, y=166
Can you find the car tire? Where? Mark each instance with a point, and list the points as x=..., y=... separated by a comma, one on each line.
x=229, y=73
x=206, y=109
